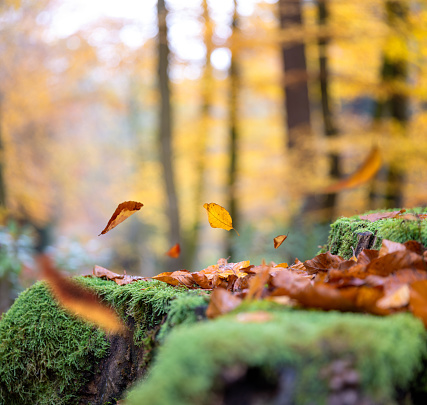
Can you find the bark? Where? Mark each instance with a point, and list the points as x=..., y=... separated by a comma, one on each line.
x=234, y=78
x=165, y=133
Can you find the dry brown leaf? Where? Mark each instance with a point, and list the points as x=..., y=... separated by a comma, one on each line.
x=120, y=279
x=381, y=215
x=388, y=246
x=122, y=212
x=323, y=262
x=79, y=300
x=395, y=299
x=390, y=263
x=174, y=251
x=222, y=301
x=179, y=277
x=219, y=217
x=367, y=255
x=278, y=240
x=418, y=300
x=257, y=283
x=363, y=174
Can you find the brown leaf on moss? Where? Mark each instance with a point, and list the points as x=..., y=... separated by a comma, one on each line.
x=122, y=212
x=323, y=262
x=367, y=255
x=257, y=283
x=381, y=215
x=174, y=251
x=414, y=246
x=278, y=240
x=222, y=301
x=388, y=246
x=120, y=279
x=78, y=300
x=254, y=317
x=390, y=263
x=179, y=277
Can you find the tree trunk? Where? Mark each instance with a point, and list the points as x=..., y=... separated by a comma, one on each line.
x=165, y=133
x=233, y=105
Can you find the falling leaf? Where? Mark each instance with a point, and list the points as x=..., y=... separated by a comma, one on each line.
x=222, y=301
x=278, y=240
x=122, y=212
x=179, y=277
x=219, y=217
x=78, y=300
x=174, y=251
x=254, y=317
x=364, y=173
x=395, y=299
x=381, y=215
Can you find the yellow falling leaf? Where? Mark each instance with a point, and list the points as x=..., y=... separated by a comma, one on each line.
x=278, y=240
x=219, y=217
x=364, y=173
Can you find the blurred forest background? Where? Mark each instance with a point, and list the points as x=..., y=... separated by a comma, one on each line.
x=255, y=105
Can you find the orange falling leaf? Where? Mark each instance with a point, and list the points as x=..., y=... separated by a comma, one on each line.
x=174, y=251
x=364, y=173
x=122, y=212
x=79, y=300
x=219, y=217
x=278, y=240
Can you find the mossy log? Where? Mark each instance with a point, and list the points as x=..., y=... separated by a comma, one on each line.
x=350, y=235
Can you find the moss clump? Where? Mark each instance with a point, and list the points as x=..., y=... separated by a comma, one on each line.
x=46, y=353
x=386, y=352
x=343, y=232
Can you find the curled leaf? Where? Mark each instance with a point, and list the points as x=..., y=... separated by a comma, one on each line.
x=78, y=300
x=179, y=277
x=174, y=251
x=122, y=212
x=219, y=217
x=364, y=173
x=278, y=240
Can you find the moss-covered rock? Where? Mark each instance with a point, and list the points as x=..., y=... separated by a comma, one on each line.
x=343, y=236
x=48, y=356
x=295, y=352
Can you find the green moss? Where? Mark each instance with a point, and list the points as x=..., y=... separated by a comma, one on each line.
x=343, y=232
x=387, y=352
x=46, y=353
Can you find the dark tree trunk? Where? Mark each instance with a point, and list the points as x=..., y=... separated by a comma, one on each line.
x=165, y=134
x=297, y=102
x=233, y=119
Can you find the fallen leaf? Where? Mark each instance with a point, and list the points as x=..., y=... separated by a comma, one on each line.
x=367, y=255
x=281, y=265
x=222, y=301
x=174, y=251
x=179, y=277
x=390, y=263
x=278, y=240
x=323, y=262
x=219, y=217
x=120, y=279
x=381, y=215
x=122, y=212
x=257, y=283
x=79, y=300
x=418, y=300
x=395, y=299
x=254, y=317
x=364, y=173
x=388, y=246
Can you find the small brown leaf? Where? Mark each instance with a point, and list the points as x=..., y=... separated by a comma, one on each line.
x=222, y=301
x=254, y=317
x=381, y=215
x=174, y=251
x=388, y=246
x=79, y=300
x=122, y=212
x=323, y=262
x=219, y=217
x=179, y=277
x=395, y=299
x=278, y=240
x=120, y=279
x=257, y=283
x=418, y=300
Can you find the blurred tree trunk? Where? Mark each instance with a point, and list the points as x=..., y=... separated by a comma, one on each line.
x=330, y=130
x=234, y=78
x=2, y=184
x=165, y=132
x=207, y=88
x=297, y=103
x=393, y=75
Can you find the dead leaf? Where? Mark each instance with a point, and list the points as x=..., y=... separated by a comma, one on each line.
x=418, y=300
x=363, y=174
x=254, y=317
x=388, y=246
x=174, y=251
x=219, y=217
x=179, y=277
x=278, y=240
x=381, y=215
x=122, y=212
x=257, y=283
x=323, y=262
x=367, y=255
x=79, y=300
x=390, y=263
x=120, y=279
x=222, y=301
x=395, y=299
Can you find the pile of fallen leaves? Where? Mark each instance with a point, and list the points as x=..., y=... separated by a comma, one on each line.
x=393, y=279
